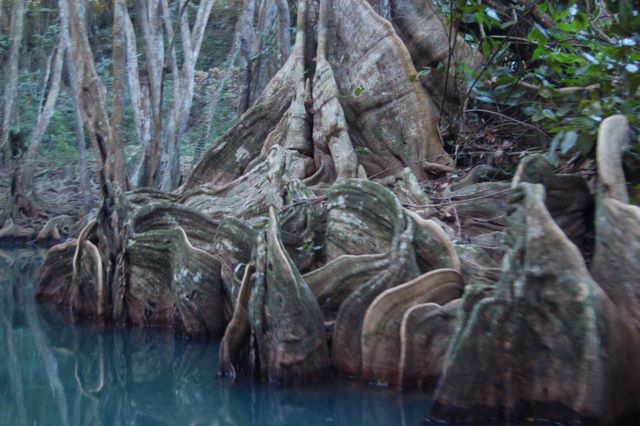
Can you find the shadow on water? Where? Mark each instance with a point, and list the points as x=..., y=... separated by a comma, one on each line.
x=53, y=372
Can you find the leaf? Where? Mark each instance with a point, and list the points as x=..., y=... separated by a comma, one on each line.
x=538, y=35
x=568, y=141
x=424, y=71
x=307, y=245
x=585, y=143
x=362, y=150
x=547, y=113
x=358, y=90
x=492, y=13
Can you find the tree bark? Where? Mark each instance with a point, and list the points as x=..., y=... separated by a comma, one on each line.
x=138, y=90
x=191, y=44
x=91, y=94
x=264, y=64
x=247, y=37
x=1, y=11
x=284, y=28
x=148, y=13
x=118, y=74
x=85, y=180
x=11, y=73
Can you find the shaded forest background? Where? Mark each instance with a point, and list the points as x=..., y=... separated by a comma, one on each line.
x=537, y=77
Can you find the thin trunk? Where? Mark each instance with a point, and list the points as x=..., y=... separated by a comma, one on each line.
x=213, y=105
x=11, y=73
x=44, y=117
x=215, y=97
x=85, y=180
x=48, y=66
x=149, y=14
x=1, y=10
x=264, y=66
x=139, y=92
x=284, y=28
x=118, y=64
x=90, y=94
x=247, y=41
x=191, y=44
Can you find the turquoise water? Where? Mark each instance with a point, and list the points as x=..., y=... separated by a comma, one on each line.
x=56, y=373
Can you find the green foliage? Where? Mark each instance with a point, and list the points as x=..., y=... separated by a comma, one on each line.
x=563, y=79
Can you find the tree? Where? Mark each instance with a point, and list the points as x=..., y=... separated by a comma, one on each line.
x=91, y=95
x=85, y=182
x=44, y=117
x=351, y=128
x=314, y=199
x=11, y=73
x=160, y=165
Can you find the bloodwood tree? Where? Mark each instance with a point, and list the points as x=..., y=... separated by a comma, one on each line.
x=305, y=239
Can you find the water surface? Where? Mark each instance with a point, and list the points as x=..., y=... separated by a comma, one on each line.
x=53, y=372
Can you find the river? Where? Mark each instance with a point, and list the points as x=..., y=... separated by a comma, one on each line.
x=54, y=372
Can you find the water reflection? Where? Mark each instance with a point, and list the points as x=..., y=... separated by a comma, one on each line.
x=53, y=372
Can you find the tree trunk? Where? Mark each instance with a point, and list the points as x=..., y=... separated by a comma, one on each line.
x=85, y=180
x=118, y=74
x=265, y=63
x=247, y=40
x=1, y=13
x=138, y=90
x=91, y=95
x=11, y=74
x=284, y=29
x=150, y=22
x=191, y=44
x=44, y=117
x=215, y=96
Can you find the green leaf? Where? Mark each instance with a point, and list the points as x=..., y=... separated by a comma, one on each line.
x=585, y=143
x=305, y=246
x=486, y=48
x=547, y=113
x=538, y=35
x=568, y=141
x=359, y=89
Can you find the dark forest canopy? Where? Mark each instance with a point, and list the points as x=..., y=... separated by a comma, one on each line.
x=407, y=191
